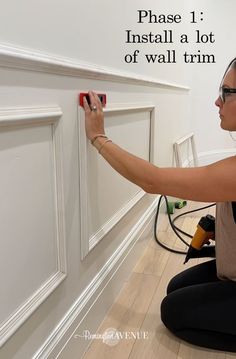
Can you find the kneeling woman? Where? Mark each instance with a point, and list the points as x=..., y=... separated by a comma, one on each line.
x=200, y=302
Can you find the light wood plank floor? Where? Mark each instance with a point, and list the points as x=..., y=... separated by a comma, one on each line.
x=137, y=308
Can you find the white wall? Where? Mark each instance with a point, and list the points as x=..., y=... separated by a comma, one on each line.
x=206, y=78
x=92, y=32
x=74, y=46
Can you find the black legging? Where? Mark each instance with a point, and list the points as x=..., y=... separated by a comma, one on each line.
x=201, y=309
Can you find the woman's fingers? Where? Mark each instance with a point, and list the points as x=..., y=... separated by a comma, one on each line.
x=86, y=105
x=94, y=99
x=98, y=101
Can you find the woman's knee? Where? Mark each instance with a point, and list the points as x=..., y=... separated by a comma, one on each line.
x=198, y=274
x=173, y=284
x=177, y=308
x=169, y=313
x=180, y=280
x=177, y=282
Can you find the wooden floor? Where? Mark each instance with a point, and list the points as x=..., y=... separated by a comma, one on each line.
x=137, y=308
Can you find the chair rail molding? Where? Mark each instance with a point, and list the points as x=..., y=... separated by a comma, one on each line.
x=16, y=57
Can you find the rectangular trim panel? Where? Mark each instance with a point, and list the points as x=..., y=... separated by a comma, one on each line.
x=30, y=117
x=88, y=242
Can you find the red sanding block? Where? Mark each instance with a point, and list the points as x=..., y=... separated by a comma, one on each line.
x=102, y=97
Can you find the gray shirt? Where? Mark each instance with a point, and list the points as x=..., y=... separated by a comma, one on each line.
x=225, y=241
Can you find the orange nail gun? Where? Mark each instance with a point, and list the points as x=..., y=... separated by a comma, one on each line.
x=205, y=231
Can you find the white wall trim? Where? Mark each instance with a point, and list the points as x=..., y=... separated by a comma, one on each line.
x=77, y=313
x=18, y=117
x=128, y=108
x=16, y=57
x=87, y=242
x=107, y=227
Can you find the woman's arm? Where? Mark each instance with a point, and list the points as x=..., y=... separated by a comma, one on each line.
x=213, y=183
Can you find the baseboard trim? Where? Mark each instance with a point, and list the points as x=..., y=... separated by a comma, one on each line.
x=76, y=318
